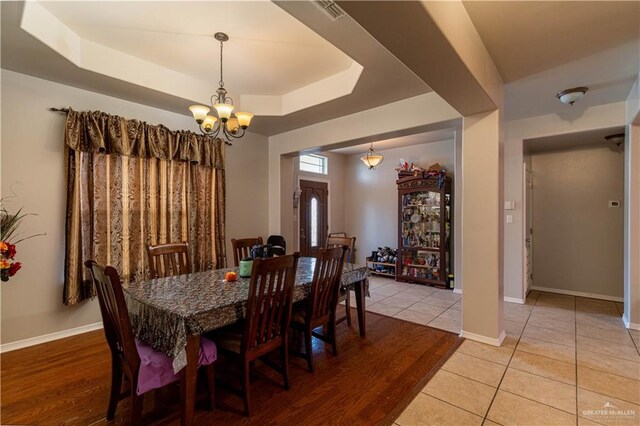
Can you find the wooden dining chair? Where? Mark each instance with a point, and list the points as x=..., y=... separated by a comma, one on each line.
x=320, y=308
x=345, y=294
x=145, y=368
x=170, y=259
x=266, y=322
x=242, y=248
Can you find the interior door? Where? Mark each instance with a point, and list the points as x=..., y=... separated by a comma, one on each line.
x=313, y=216
x=528, y=229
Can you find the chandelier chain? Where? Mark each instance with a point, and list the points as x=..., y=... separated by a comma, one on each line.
x=221, y=82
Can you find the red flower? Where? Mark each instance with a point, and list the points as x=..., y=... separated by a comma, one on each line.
x=11, y=251
x=14, y=267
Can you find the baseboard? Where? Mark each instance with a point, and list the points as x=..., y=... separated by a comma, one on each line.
x=578, y=293
x=484, y=339
x=630, y=325
x=506, y=299
x=12, y=346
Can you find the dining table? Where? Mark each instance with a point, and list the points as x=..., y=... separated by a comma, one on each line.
x=171, y=313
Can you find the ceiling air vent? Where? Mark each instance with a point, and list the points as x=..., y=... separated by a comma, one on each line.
x=330, y=8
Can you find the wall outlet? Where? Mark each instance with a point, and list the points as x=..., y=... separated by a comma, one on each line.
x=509, y=218
x=614, y=203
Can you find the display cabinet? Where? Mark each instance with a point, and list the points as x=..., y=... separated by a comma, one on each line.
x=425, y=216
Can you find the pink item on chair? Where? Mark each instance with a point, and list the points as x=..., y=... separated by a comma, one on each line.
x=156, y=369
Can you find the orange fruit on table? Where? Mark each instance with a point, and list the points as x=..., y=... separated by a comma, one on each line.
x=230, y=276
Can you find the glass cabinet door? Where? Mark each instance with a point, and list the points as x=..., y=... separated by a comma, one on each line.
x=421, y=220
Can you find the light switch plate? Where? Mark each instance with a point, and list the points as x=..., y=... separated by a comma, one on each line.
x=509, y=205
x=509, y=218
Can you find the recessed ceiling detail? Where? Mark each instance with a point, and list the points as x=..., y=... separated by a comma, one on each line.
x=276, y=65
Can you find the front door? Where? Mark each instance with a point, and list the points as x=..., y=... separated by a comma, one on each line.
x=313, y=216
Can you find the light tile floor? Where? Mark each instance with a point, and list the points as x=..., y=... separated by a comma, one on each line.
x=566, y=361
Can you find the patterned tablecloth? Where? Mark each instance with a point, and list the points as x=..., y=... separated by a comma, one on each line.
x=164, y=311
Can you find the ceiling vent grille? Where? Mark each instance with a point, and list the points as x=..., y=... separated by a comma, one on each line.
x=330, y=8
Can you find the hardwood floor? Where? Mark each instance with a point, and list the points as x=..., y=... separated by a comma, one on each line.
x=370, y=382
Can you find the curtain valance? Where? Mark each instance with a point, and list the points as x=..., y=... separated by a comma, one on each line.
x=99, y=132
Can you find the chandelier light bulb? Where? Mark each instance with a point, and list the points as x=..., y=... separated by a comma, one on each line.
x=244, y=119
x=199, y=112
x=209, y=123
x=224, y=111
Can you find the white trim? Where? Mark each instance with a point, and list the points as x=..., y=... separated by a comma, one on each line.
x=514, y=300
x=19, y=344
x=630, y=325
x=506, y=298
x=484, y=339
x=578, y=293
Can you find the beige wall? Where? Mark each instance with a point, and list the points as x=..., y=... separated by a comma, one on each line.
x=577, y=237
x=372, y=203
x=33, y=167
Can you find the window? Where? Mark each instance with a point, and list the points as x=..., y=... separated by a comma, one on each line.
x=314, y=222
x=314, y=163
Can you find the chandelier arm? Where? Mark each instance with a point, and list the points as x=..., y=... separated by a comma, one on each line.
x=238, y=134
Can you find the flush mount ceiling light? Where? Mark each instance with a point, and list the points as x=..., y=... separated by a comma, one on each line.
x=570, y=96
x=616, y=138
x=225, y=125
x=371, y=159
x=616, y=141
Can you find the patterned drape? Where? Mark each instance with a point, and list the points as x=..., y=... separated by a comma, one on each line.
x=130, y=184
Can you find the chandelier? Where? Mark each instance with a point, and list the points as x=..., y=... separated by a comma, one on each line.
x=227, y=124
x=371, y=159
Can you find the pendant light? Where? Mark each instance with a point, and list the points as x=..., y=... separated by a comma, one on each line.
x=371, y=159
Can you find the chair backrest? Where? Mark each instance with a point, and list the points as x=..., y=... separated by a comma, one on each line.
x=343, y=241
x=269, y=303
x=115, y=316
x=326, y=281
x=242, y=248
x=338, y=234
x=170, y=259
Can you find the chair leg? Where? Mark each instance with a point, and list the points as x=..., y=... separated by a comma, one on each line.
x=332, y=334
x=285, y=362
x=252, y=369
x=211, y=385
x=308, y=347
x=116, y=389
x=347, y=305
x=136, y=406
x=245, y=388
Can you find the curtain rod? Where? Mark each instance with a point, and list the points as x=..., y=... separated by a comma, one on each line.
x=66, y=111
